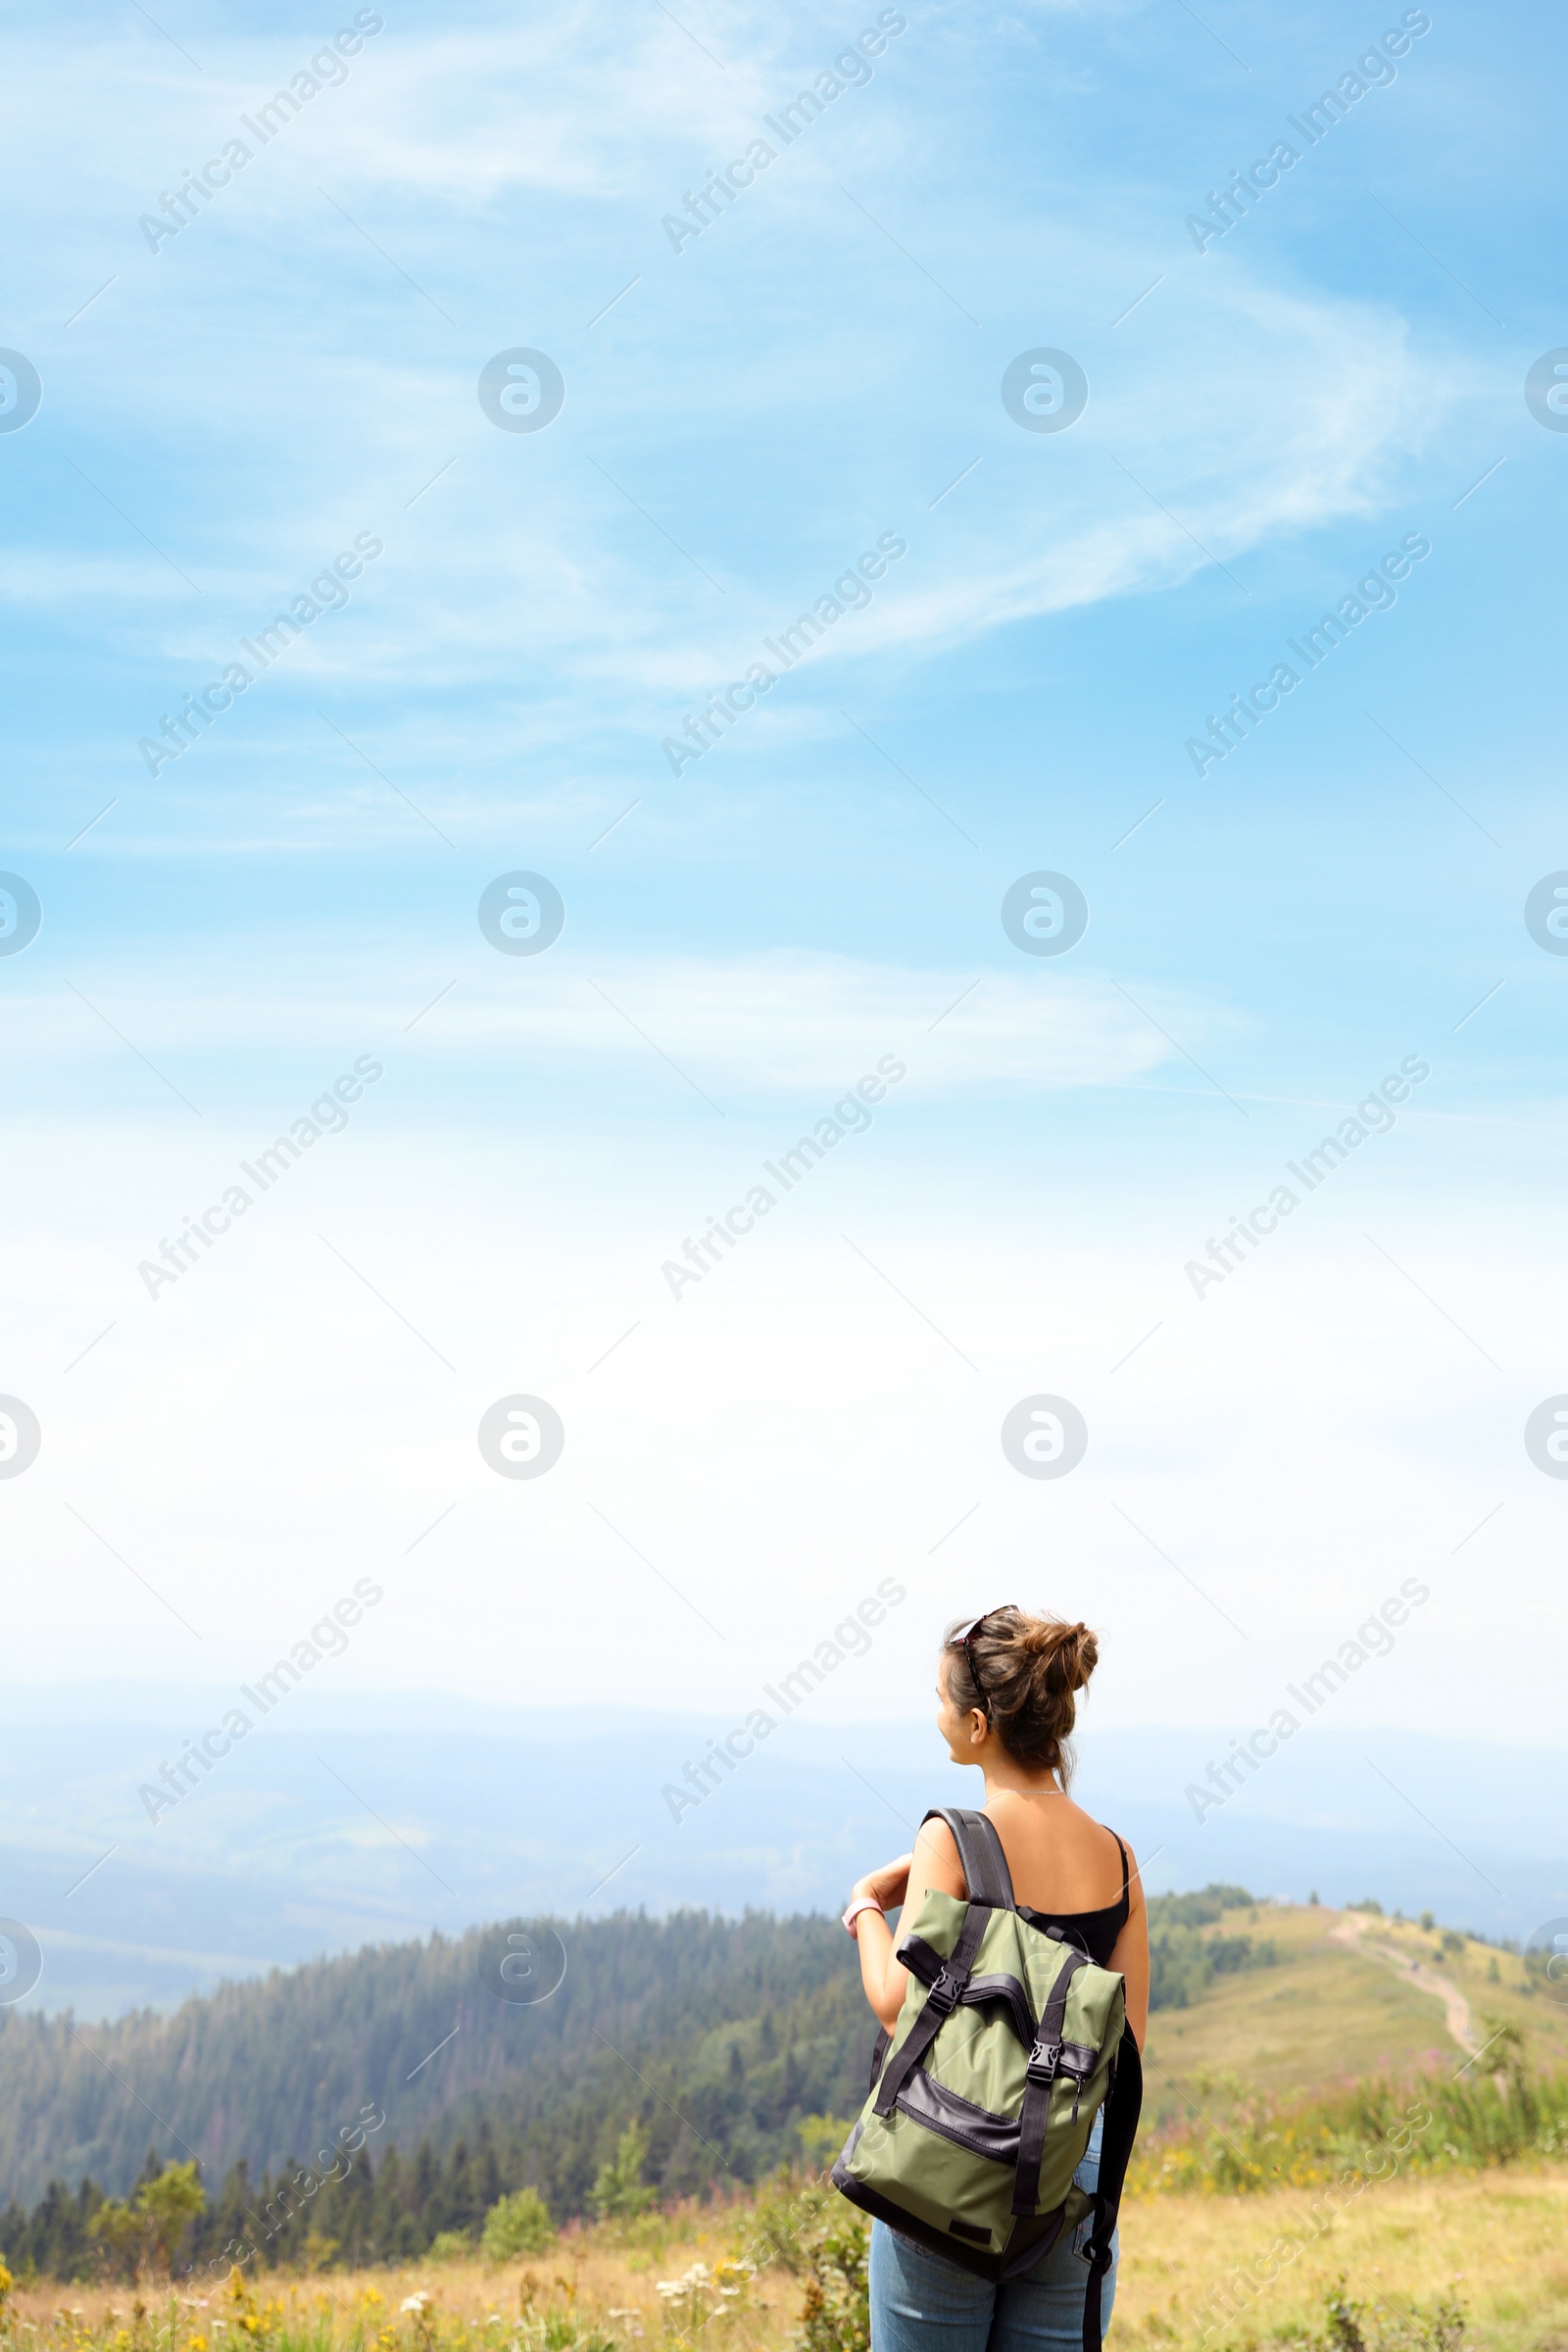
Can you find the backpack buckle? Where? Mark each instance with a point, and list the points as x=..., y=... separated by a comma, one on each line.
x=1043, y=2059
x=943, y=1997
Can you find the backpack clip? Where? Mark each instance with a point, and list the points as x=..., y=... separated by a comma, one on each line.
x=943, y=1997
x=1042, y=2062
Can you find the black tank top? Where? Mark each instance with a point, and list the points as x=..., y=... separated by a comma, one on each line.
x=1093, y=1931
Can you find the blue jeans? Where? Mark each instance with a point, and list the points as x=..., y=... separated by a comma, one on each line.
x=921, y=2302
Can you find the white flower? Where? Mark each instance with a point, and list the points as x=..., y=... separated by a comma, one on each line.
x=414, y=2303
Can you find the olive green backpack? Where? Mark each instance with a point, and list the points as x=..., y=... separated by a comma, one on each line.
x=1008, y=2043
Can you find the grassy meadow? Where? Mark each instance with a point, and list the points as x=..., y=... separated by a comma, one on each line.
x=1495, y=2244
x=1334, y=2010
x=1359, y=2146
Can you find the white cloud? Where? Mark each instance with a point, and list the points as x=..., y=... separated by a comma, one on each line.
x=778, y=1023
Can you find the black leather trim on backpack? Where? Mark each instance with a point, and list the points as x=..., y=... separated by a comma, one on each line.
x=919, y=1957
x=1029, y=2241
x=927, y=2101
x=1000, y=1987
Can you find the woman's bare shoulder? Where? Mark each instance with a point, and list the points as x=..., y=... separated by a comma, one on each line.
x=935, y=1861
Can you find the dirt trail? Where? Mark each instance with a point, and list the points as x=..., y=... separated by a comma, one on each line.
x=1351, y=1931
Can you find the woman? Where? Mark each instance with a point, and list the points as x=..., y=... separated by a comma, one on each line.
x=1007, y=1686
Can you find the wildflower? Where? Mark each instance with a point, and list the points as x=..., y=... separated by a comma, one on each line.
x=696, y=2278
x=415, y=2303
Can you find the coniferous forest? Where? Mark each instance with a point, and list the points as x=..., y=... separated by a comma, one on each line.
x=351, y=2111
x=382, y=2097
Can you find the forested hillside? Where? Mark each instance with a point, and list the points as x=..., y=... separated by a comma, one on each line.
x=403, y=2094
x=271, y=2070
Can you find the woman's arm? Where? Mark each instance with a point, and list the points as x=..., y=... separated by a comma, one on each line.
x=933, y=1863
x=881, y=1978
x=1131, y=1955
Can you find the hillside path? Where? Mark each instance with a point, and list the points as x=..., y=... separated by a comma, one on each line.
x=1351, y=1930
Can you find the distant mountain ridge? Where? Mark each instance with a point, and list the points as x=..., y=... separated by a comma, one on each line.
x=348, y=1820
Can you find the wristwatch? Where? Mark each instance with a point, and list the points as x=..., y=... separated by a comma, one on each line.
x=865, y=1902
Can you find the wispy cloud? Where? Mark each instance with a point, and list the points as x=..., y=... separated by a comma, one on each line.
x=785, y=1023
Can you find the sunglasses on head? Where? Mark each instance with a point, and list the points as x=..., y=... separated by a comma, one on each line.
x=964, y=1640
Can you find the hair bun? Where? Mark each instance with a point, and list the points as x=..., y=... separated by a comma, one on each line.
x=1072, y=1649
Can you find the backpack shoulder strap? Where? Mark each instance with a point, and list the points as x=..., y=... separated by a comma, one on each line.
x=1122, y=2106
x=1038, y=2075
x=985, y=1866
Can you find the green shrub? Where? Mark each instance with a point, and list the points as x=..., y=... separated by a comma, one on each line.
x=450, y=2245
x=620, y=2191
x=518, y=2225
x=836, y=2310
x=146, y=2232
x=1353, y=2326
x=785, y=2221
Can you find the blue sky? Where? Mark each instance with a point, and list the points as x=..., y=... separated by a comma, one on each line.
x=1341, y=373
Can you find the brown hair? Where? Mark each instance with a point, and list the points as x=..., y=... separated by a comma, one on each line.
x=1031, y=1669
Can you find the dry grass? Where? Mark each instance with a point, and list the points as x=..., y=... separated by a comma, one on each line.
x=596, y=2280
x=1498, y=2240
